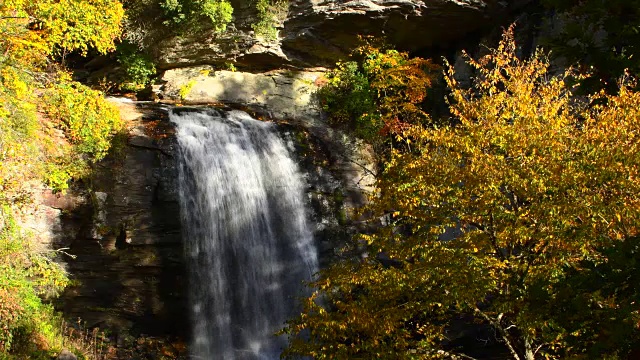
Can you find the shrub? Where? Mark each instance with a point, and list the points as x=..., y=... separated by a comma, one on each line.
x=187, y=14
x=26, y=276
x=270, y=13
x=138, y=67
x=219, y=12
x=86, y=117
x=378, y=94
x=349, y=100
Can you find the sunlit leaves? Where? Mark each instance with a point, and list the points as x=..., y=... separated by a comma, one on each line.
x=487, y=219
x=66, y=25
x=186, y=14
x=33, y=147
x=26, y=274
x=378, y=94
x=79, y=24
x=88, y=120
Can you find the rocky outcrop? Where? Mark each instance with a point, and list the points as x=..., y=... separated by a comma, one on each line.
x=288, y=96
x=123, y=226
x=318, y=33
x=282, y=95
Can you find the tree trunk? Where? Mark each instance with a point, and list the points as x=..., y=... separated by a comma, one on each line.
x=528, y=351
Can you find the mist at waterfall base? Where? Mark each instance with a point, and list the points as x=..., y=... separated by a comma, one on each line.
x=248, y=243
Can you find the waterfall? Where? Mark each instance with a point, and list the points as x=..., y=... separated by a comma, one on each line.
x=247, y=240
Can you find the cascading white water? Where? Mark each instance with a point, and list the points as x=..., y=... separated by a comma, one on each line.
x=248, y=244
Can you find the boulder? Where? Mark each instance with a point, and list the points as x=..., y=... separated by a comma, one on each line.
x=282, y=95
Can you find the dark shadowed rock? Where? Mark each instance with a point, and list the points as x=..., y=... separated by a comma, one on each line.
x=128, y=271
x=318, y=33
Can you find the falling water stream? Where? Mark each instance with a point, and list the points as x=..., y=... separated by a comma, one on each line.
x=248, y=243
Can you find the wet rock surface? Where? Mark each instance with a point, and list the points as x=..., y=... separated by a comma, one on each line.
x=128, y=272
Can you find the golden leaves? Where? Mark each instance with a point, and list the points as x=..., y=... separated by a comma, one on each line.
x=496, y=209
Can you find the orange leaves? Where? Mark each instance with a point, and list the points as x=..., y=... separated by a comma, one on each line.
x=381, y=94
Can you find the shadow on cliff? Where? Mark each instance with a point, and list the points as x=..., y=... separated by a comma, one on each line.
x=129, y=275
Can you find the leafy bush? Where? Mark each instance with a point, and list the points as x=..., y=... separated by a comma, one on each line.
x=60, y=170
x=219, y=12
x=378, y=94
x=138, y=67
x=86, y=117
x=349, y=100
x=270, y=13
x=75, y=25
x=19, y=151
x=187, y=14
x=26, y=276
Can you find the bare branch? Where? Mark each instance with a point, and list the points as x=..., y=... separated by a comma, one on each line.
x=503, y=333
x=62, y=251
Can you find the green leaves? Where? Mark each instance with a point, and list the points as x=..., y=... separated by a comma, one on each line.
x=378, y=95
x=25, y=275
x=219, y=12
x=188, y=13
x=138, y=67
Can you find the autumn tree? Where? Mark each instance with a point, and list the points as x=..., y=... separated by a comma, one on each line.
x=488, y=222
x=379, y=93
x=67, y=25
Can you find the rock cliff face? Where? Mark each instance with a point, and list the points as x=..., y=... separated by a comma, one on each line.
x=318, y=33
x=128, y=271
x=124, y=224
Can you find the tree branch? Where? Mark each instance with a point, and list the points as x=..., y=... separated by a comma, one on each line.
x=496, y=324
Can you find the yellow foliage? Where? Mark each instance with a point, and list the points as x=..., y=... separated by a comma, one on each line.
x=32, y=149
x=534, y=183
